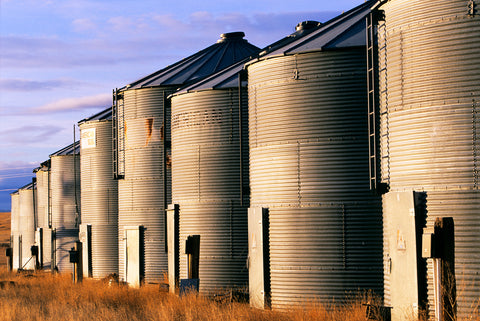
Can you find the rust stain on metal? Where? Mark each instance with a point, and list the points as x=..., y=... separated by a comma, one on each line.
x=149, y=130
x=162, y=131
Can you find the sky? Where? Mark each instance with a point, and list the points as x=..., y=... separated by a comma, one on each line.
x=61, y=59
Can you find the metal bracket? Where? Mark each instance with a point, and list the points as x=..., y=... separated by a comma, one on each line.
x=471, y=8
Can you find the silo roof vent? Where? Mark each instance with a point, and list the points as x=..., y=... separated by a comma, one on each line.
x=305, y=25
x=229, y=36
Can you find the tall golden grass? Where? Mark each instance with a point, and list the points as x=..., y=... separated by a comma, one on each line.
x=43, y=296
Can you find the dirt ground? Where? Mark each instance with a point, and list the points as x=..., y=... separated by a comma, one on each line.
x=4, y=236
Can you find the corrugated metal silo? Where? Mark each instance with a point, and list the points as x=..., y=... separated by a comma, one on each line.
x=43, y=214
x=65, y=192
x=14, y=235
x=210, y=176
x=26, y=224
x=322, y=237
x=429, y=62
x=99, y=193
x=142, y=142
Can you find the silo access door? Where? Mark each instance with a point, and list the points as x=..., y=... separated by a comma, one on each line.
x=134, y=255
x=403, y=268
x=258, y=258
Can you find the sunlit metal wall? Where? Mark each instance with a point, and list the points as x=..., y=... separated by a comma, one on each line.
x=26, y=224
x=14, y=220
x=207, y=165
x=65, y=184
x=309, y=167
x=142, y=194
x=429, y=56
x=43, y=180
x=99, y=195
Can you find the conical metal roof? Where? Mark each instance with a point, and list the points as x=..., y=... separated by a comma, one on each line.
x=230, y=48
x=68, y=150
x=105, y=114
x=228, y=77
x=345, y=30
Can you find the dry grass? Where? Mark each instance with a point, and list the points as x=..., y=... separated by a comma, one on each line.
x=46, y=297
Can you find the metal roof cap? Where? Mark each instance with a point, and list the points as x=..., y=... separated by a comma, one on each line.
x=230, y=48
x=105, y=114
x=68, y=150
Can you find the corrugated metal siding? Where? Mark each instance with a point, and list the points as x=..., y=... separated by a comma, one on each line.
x=42, y=208
x=309, y=167
x=207, y=185
x=14, y=217
x=26, y=226
x=141, y=192
x=63, y=187
x=100, y=198
x=430, y=124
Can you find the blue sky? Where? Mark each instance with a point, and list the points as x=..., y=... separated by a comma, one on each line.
x=61, y=59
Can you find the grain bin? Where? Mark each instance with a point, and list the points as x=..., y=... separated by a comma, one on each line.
x=14, y=235
x=43, y=237
x=429, y=63
x=142, y=152
x=210, y=176
x=65, y=193
x=315, y=228
x=26, y=225
x=99, y=196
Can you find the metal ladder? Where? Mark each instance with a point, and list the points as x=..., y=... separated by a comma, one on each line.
x=372, y=100
x=118, y=134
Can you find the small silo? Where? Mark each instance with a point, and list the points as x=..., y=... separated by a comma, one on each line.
x=429, y=63
x=315, y=228
x=43, y=236
x=14, y=235
x=26, y=225
x=210, y=176
x=65, y=202
x=99, y=196
x=142, y=155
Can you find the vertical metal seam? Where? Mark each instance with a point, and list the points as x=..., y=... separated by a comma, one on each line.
x=344, y=236
x=231, y=228
x=474, y=143
x=402, y=82
x=230, y=92
x=240, y=133
x=198, y=172
x=299, y=185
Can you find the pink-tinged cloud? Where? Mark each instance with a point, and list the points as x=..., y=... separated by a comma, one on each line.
x=84, y=24
x=75, y=104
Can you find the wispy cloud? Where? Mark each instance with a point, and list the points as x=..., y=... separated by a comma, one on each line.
x=34, y=85
x=28, y=134
x=74, y=104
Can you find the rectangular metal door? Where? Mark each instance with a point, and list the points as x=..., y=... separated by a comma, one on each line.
x=401, y=252
x=256, y=263
x=133, y=256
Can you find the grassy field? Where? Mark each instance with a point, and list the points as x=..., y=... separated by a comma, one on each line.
x=4, y=236
x=44, y=296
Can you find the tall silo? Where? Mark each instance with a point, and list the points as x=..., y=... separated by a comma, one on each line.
x=429, y=63
x=315, y=228
x=65, y=194
x=210, y=176
x=99, y=196
x=14, y=236
x=142, y=155
x=43, y=237
x=26, y=224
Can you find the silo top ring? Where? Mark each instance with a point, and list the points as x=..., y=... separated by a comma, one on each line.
x=231, y=36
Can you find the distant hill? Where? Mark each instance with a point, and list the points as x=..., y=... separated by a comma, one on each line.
x=4, y=236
